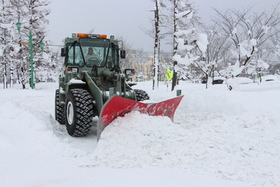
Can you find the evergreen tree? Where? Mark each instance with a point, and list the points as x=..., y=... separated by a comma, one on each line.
x=36, y=21
x=7, y=47
x=15, y=46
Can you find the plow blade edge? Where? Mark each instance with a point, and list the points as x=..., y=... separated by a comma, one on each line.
x=119, y=106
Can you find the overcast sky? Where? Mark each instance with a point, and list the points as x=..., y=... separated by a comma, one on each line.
x=126, y=18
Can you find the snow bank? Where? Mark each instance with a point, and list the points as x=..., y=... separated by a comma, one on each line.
x=234, y=141
x=237, y=148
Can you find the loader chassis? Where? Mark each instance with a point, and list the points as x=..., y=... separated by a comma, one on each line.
x=92, y=84
x=89, y=80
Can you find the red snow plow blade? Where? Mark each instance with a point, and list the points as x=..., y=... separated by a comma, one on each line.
x=119, y=106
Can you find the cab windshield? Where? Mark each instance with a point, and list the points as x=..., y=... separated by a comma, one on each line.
x=93, y=52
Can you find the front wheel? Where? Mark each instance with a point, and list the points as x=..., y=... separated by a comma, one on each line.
x=78, y=112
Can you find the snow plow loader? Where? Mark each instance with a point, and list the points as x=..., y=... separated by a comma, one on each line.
x=92, y=84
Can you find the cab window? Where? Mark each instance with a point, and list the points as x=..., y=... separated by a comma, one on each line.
x=74, y=56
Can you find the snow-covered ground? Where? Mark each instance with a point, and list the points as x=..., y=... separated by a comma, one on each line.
x=219, y=138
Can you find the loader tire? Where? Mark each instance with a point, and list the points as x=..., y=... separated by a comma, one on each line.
x=141, y=95
x=59, y=109
x=78, y=112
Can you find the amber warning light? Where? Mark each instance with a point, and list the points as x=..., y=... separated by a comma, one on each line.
x=83, y=35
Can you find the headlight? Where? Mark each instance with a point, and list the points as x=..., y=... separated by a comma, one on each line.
x=75, y=70
x=72, y=69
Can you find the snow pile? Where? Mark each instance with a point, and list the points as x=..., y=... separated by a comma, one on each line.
x=238, y=148
x=234, y=143
x=140, y=143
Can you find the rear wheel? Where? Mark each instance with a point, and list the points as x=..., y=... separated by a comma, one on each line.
x=59, y=109
x=141, y=95
x=78, y=112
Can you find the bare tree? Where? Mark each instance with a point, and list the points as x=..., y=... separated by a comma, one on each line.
x=126, y=63
x=249, y=34
x=183, y=18
x=217, y=54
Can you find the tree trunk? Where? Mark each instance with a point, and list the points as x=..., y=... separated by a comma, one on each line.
x=175, y=45
x=174, y=78
x=156, y=47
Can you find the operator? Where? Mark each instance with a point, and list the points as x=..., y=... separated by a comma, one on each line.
x=90, y=58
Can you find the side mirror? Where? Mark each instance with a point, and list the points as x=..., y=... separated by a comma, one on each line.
x=123, y=54
x=129, y=72
x=63, y=52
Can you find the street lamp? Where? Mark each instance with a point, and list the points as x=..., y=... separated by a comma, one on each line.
x=32, y=85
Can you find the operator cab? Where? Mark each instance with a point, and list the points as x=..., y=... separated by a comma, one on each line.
x=91, y=50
